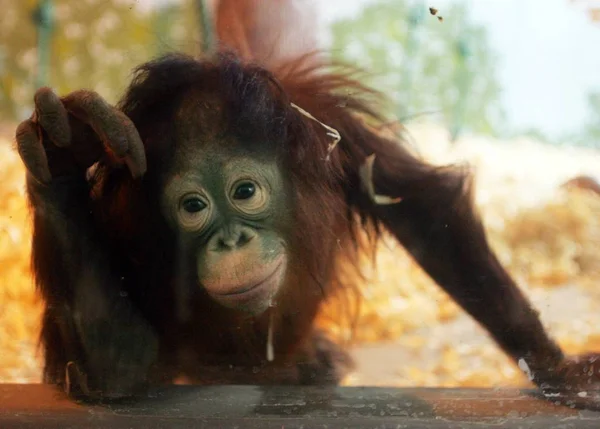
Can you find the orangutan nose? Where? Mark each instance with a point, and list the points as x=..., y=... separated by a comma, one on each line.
x=231, y=238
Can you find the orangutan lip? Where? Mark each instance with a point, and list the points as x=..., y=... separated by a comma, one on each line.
x=254, y=288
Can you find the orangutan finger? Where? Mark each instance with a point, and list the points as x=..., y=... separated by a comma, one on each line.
x=114, y=128
x=32, y=152
x=136, y=156
x=92, y=109
x=52, y=116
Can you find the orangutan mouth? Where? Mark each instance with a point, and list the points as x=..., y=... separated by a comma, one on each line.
x=260, y=290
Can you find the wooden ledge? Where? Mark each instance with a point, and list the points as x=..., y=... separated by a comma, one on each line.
x=43, y=407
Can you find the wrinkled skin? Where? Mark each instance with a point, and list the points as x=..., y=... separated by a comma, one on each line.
x=225, y=206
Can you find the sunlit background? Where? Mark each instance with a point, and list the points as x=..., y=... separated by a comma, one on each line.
x=510, y=86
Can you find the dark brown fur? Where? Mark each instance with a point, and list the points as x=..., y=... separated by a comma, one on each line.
x=123, y=238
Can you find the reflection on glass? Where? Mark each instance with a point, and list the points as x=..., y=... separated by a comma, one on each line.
x=222, y=248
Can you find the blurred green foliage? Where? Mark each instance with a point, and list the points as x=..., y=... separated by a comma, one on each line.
x=95, y=44
x=428, y=68
x=424, y=64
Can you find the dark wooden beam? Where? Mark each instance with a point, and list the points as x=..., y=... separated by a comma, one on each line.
x=42, y=407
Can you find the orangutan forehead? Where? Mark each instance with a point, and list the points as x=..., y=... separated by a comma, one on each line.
x=201, y=115
x=229, y=120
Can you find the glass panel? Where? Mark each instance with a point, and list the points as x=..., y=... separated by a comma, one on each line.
x=198, y=219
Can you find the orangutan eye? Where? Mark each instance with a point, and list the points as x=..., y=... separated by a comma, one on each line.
x=194, y=212
x=244, y=191
x=249, y=197
x=193, y=205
